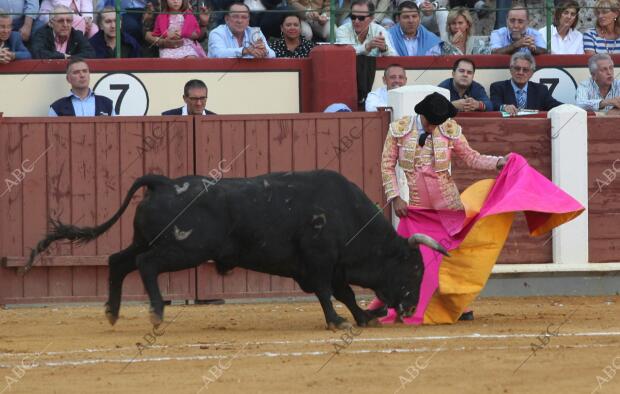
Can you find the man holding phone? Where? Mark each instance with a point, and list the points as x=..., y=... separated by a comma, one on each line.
x=517, y=36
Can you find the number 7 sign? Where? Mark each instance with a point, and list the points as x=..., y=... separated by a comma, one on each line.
x=126, y=91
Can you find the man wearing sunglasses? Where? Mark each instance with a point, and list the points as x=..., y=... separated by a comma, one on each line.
x=195, y=95
x=366, y=37
x=519, y=92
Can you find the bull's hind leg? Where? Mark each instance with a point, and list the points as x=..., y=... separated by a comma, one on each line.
x=150, y=265
x=334, y=321
x=120, y=264
x=345, y=294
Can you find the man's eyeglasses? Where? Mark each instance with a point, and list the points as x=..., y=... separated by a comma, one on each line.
x=360, y=18
x=521, y=69
x=195, y=99
x=65, y=21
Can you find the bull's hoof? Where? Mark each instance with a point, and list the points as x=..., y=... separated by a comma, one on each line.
x=374, y=322
x=112, y=318
x=156, y=319
x=342, y=325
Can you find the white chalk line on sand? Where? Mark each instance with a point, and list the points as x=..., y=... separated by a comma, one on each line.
x=64, y=363
x=321, y=341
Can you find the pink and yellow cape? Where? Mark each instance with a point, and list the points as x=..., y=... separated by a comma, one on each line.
x=476, y=236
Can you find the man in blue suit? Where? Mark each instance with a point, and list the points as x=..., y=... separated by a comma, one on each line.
x=519, y=92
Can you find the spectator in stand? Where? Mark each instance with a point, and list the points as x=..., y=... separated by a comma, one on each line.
x=517, y=36
x=602, y=90
x=11, y=45
x=394, y=77
x=133, y=10
x=292, y=43
x=460, y=39
x=384, y=11
x=519, y=92
x=315, y=21
x=82, y=101
x=366, y=37
x=82, y=14
x=195, y=95
x=23, y=14
x=104, y=42
x=60, y=40
x=433, y=16
x=408, y=36
x=605, y=36
x=565, y=39
x=466, y=94
x=236, y=38
x=178, y=23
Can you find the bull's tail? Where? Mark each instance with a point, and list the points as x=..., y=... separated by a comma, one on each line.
x=79, y=235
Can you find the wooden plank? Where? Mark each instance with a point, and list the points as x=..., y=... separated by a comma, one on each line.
x=83, y=203
x=107, y=159
x=233, y=162
x=352, y=151
x=181, y=283
x=328, y=144
x=58, y=261
x=281, y=159
x=11, y=224
x=372, y=141
x=132, y=148
x=304, y=145
x=59, y=195
x=208, y=146
x=257, y=163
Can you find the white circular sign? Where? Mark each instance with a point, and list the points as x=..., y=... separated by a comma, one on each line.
x=126, y=91
x=561, y=84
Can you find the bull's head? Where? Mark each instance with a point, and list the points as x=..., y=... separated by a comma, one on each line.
x=404, y=290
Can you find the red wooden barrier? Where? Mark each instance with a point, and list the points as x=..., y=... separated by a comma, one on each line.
x=604, y=189
x=78, y=171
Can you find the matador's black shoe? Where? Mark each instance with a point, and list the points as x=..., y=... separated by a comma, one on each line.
x=467, y=316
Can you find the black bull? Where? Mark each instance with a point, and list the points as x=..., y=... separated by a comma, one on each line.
x=315, y=227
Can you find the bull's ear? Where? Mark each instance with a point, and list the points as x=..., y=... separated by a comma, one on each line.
x=416, y=239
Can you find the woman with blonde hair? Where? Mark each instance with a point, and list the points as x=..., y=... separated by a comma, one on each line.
x=565, y=39
x=605, y=36
x=460, y=39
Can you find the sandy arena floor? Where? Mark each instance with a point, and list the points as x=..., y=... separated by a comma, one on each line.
x=284, y=348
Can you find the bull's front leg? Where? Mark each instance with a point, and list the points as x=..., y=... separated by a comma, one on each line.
x=333, y=320
x=120, y=264
x=345, y=294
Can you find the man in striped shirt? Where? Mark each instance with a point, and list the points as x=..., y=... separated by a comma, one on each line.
x=602, y=91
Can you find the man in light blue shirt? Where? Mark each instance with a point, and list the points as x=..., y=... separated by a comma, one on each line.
x=236, y=38
x=24, y=16
x=517, y=36
x=82, y=101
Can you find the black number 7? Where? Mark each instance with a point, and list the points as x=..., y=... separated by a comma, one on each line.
x=123, y=88
x=552, y=81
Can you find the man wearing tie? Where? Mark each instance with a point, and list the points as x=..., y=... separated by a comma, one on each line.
x=519, y=92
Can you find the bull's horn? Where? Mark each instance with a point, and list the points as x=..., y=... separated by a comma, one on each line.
x=424, y=239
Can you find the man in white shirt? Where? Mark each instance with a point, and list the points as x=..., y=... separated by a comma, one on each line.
x=367, y=38
x=236, y=38
x=602, y=91
x=394, y=77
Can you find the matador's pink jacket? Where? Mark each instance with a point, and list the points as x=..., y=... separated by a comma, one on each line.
x=427, y=167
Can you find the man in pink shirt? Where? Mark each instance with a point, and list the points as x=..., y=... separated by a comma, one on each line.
x=59, y=40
